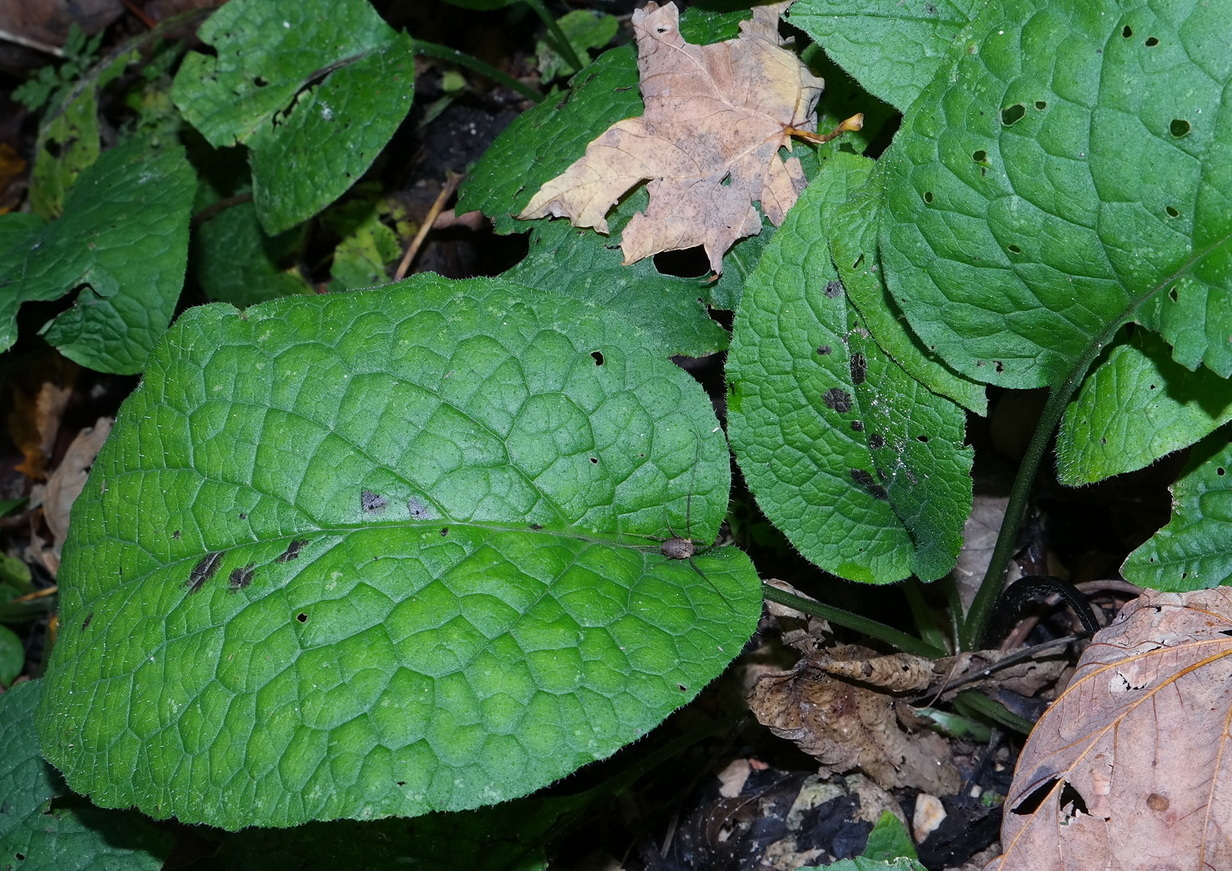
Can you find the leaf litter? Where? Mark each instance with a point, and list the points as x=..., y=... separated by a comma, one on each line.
x=716, y=117
x=1130, y=768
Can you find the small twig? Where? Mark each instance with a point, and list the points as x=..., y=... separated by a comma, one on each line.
x=451, y=185
x=37, y=594
x=221, y=205
x=139, y=14
x=52, y=50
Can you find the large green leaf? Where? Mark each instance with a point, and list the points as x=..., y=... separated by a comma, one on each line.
x=388, y=552
x=892, y=48
x=1067, y=165
x=819, y=415
x=1194, y=551
x=314, y=89
x=37, y=835
x=1138, y=406
x=122, y=243
x=576, y=263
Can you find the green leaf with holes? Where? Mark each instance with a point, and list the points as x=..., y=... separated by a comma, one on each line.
x=892, y=48
x=1068, y=169
x=1138, y=406
x=43, y=826
x=122, y=244
x=388, y=552
x=859, y=464
x=852, y=217
x=314, y=89
x=1194, y=551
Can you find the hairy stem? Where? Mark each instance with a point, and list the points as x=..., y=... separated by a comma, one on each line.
x=1020, y=494
x=871, y=628
x=432, y=49
x=558, y=36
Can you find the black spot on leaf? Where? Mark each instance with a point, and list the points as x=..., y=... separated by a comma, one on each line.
x=176, y=535
x=86, y=622
x=420, y=510
x=301, y=617
x=857, y=426
x=869, y=483
x=1151, y=42
x=876, y=440
x=834, y=288
x=859, y=368
x=1179, y=127
x=838, y=399
x=372, y=503
x=292, y=551
x=205, y=569
x=240, y=578
x=823, y=350
x=598, y=357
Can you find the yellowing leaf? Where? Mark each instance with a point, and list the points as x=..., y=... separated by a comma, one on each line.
x=1131, y=768
x=716, y=117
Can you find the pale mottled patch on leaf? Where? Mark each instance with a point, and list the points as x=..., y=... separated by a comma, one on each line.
x=716, y=117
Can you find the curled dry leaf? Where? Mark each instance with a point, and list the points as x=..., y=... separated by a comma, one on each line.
x=1131, y=768
x=716, y=117
x=849, y=726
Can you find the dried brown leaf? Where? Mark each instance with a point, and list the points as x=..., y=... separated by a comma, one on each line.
x=69, y=478
x=716, y=117
x=848, y=726
x=1131, y=768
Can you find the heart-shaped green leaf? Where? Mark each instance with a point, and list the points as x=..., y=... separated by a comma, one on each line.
x=1138, y=406
x=1068, y=170
x=892, y=48
x=122, y=243
x=1194, y=551
x=858, y=463
x=67, y=835
x=314, y=89
x=388, y=552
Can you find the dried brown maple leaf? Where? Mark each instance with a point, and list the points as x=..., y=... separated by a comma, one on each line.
x=1131, y=768
x=716, y=117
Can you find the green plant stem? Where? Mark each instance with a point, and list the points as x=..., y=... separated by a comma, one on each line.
x=971, y=701
x=563, y=45
x=432, y=49
x=1020, y=494
x=925, y=622
x=871, y=628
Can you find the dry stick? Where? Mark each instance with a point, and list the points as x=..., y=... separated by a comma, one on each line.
x=451, y=185
x=37, y=594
